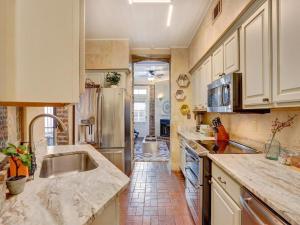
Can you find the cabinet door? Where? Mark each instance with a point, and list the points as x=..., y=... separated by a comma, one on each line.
x=223, y=209
x=205, y=80
x=196, y=87
x=255, y=59
x=217, y=63
x=42, y=51
x=82, y=74
x=231, y=54
x=286, y=54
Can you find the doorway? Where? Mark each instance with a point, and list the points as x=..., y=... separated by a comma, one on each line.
x=151, y=110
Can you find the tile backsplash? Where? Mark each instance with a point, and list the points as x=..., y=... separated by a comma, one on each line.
x=256, y=128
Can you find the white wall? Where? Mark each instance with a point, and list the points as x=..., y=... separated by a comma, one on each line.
x=162, y=89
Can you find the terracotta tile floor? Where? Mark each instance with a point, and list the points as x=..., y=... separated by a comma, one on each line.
x=155, y=197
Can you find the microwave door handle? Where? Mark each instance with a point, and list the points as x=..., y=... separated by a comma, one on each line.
x=250, y=211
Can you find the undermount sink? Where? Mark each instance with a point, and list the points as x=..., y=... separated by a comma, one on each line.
x=66, y=164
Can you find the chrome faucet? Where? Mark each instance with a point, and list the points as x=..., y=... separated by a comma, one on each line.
x=31, y=147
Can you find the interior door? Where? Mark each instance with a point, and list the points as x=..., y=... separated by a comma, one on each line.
x=223, y=209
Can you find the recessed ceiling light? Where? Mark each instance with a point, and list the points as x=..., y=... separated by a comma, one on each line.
x=149, y=1
x=169, y=15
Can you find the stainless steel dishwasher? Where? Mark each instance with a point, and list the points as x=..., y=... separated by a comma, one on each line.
x=255, y=212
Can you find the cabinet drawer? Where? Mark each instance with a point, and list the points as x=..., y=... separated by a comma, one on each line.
x=225, y=181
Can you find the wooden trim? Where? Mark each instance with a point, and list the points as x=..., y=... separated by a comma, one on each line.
x=126, y=70
x=140, y=58
x=231, y=26
x=34, y=104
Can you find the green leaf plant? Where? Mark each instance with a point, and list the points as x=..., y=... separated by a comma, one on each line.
x=18, y=154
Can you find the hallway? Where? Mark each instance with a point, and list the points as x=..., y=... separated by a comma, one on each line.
x=155, y=197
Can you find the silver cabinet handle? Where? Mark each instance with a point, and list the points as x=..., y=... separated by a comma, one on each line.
x=220, y=179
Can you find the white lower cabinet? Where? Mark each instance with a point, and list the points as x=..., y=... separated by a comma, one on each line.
x=223, y=209
x=225, y=194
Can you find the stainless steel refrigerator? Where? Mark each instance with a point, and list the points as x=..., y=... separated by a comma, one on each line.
x=112, y=130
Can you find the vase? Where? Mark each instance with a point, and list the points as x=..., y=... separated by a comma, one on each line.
x=113, y=86
x=16, y=185
x=272, y=149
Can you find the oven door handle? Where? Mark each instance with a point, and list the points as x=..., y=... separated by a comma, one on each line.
x=196, y=186
x=190, y=155
x=250, y=211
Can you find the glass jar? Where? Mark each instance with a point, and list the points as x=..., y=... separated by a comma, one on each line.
x=272, y=149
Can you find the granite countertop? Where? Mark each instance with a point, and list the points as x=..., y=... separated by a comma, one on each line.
x=71, y=199
x=275, y=184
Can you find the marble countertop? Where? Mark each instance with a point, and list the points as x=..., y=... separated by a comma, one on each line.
x=193, y=135
x=67, y=200
x=275, y=184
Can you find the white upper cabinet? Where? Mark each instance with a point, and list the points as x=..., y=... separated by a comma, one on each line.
x=195, y=88
x=39, y=57
x=255, y=59
x=217, y=63
x=231, y=53
x=205, y=80
x=200, y=79
x=286, y=52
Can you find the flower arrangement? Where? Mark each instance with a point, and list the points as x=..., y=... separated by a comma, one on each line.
x=113, y=78
x=278, y=126
x=272, y=147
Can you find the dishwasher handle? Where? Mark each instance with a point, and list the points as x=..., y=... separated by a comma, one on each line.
x=266, y=216
x=250, y=211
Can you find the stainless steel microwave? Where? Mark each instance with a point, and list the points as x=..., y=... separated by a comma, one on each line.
x=225, y=94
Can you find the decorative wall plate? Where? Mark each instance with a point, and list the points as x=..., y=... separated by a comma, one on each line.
x=185, y=109
x=183, y=81
x=180, y=95
x=166, y=109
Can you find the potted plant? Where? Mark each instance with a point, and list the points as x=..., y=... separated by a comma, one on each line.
x=19, y=159
x=272, y=147
x=113, y=78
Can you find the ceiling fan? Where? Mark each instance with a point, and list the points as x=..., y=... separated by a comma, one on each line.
x=152, y=73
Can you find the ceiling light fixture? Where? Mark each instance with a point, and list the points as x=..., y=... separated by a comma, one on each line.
x=169, y=15
x=149, y=1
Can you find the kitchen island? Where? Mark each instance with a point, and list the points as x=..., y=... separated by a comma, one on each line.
x=72, y=199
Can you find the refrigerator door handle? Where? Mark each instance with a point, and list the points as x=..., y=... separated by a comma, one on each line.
x=101, y=114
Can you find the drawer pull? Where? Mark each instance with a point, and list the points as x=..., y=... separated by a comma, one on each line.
x=222, y=182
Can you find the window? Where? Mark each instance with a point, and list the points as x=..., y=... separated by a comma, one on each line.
x=140, y=91
x=140, y=112
x=49, y=127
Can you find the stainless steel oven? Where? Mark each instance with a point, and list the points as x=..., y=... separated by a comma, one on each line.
x=225, y=94
x=255, y=212
x=194, y=183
